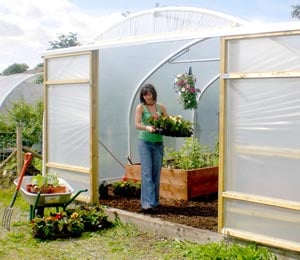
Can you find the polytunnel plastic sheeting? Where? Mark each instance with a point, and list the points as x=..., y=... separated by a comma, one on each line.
x=160, y=21
x=264, y=112
x=274, y=222
x=263, y=137
x=121, y=70
x=69, y=68
x=69, y=124
x=11, y=85
x=262, y=54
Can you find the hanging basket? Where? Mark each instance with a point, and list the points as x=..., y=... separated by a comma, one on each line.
x=185, y=87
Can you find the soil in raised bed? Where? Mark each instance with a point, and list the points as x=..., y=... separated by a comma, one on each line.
x=200, y=213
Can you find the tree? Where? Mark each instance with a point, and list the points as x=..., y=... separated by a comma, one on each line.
x=296, y=11
x=30, y=117
x=64, y=41
x=15, y=68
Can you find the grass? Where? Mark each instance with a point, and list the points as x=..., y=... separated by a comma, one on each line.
x=121, y=242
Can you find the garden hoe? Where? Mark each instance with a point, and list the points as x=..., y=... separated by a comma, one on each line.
x=9, y=210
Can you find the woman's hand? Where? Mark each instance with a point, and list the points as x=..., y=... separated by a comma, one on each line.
x=150, y=129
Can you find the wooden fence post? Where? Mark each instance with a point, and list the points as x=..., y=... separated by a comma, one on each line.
x=19, y=149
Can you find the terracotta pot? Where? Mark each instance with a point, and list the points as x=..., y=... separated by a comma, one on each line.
x=46, y=189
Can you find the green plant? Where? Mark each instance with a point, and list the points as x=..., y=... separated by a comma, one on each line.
x=120, y=240
x=185, y=86
x=45, y=180
x=70, y=223
x=127, y=188
x=191, y=155
x=57, y=225
x=171, y=125
x=93, y=218
x=23, y=114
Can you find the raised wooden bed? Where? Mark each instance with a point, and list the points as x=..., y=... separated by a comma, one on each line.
x=181, y=184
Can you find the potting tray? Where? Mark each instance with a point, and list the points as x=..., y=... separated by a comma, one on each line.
x=45, y=199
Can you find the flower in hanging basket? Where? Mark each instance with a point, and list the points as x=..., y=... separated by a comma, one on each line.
x=185, y=86
x=174, y=126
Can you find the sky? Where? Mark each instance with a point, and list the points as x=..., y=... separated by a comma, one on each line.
x=27, y=26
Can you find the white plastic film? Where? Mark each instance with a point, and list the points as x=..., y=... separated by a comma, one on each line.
x=263, y=122
x=161, y=21
x=258, y=219
x=69, y=124
x=262, y=142
x=264, y=54
x=69, y=67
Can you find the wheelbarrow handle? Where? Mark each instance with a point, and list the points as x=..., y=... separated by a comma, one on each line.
x=74, y=197
x=27, y=160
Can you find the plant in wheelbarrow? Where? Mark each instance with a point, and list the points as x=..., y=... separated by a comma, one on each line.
x=48, y=183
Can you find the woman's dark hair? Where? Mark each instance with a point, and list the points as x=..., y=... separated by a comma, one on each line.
x=145, y=89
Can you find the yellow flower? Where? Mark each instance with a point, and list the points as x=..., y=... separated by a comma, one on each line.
x=74, y=215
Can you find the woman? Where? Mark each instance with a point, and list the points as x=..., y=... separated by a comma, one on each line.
x=150, y=147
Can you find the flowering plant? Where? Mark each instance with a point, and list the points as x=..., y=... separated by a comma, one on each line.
x=171, y=125
x=127, y=188
x=185, y=86
x=57, y=224
x=69, y=223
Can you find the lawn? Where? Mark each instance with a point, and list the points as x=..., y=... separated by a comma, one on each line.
x=122, y=241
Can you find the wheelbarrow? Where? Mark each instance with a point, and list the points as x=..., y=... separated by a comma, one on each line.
x=39, y=201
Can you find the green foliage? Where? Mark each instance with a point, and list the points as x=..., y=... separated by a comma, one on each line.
x=171, y=125
x=127, y=188
x=45, y=180
x=227, y=251
x=70, y=223
x=64, y=41
x=185, y=86
x=15, y=68
x=29, y=117
x=296, y=11
x=120, y=240
x=39, y=79
x=191, y=155
x=93, y=218
x=37, y=163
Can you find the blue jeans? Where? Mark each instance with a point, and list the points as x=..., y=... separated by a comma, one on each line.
x=151, y=157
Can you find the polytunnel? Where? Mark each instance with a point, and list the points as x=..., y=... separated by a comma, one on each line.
x=17, y=87
x=91, y=92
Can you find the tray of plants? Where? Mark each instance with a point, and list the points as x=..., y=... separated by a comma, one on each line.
x=45, y=190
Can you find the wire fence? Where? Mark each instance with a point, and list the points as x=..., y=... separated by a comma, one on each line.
x=12, y=149
x=8, y=143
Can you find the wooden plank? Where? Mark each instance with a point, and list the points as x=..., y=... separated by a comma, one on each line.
x=94, y=129
x=67, y=81
x=222, y=125
x=254, y=75
x=268, y=151
x=262, y=200
x=262, y=239
x=68, y=167
x=181, y=184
